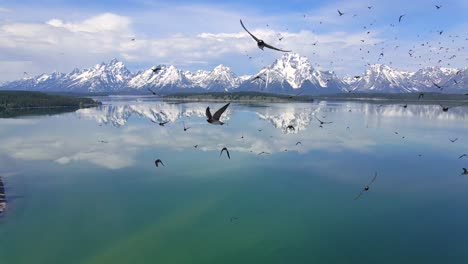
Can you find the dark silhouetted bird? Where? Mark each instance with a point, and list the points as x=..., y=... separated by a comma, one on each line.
x=399, y=19
x=185, y=128
x=227, y=152
x=214, y=120
x=367, y=187
x=158, y=161
x=453, y=140
x=260, y=43
x=340, y=13
x=156, y=69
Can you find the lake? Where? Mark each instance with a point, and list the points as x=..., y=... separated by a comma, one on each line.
x=82, y=187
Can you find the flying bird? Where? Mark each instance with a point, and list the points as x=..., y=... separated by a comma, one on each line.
x=260, y=43
x=185, y=128
x=438, y=6
x=196, y=146
x=153, y=92
x=263, y=152
x=227, y=152
x=367, y=187
x=297, y=143
x=163, y=123
x=465, y=171
x=158, y=161
x=156, y=69
x=438, y=86
x=462, y=156
x=322, y=122
x=420, y=96
x=445, y=108
x=258, y=77
x=453, y=140
x=214, y=120
x=291, y=127
x=340, y=13
x=399, y=19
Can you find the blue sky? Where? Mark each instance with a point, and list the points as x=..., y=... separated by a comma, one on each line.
x=43, y=36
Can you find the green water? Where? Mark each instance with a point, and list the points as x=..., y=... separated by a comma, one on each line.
x=76, y=200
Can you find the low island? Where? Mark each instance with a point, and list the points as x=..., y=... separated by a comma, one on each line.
x=17, y=103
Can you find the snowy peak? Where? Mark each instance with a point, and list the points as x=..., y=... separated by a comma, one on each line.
x=290, y=73
x=382, y=78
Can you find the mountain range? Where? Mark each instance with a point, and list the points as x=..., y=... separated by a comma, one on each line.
x=291, y=74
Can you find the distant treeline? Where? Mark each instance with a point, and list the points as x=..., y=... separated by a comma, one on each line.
x=426, y=97
x=10, y=100
x=237, y=96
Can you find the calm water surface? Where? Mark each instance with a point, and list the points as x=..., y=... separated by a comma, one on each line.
x=74, y=199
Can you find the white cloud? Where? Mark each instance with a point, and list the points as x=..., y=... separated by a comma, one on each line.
x=97, y=24
x=195, y=37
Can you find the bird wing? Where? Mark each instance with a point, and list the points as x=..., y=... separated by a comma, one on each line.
x=254, y=37
x=373, y=179
x=227, y=152
x=271, y=47
x=327, y=123
x=359, y=195
x=218, y=113
x=208, y=113
x=318, y=119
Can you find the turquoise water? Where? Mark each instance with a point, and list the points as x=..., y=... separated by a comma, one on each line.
x=74, y=199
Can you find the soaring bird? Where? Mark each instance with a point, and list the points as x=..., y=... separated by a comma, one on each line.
x=263, y=152
x=339, y=12
x=227, y=152
x=399, y=19
x=214, y=120
x=438, y=86
x=445, y=108
x=260, y=43
x=258, y=77
x=156, y=69
x=158, y=161
x=291, y=127
x=367, y=187
x=185, y=128
x=465, y=171
x=453, y=140
x=462, y=156
x=163, y=123
x=297, y=143
x=153, y=92
x=438, y=6
x=322, y=122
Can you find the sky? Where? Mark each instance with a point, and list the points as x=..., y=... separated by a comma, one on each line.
x=60, y=35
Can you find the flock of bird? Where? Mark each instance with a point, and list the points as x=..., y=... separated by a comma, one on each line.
x=261, y=44
x=215, y=119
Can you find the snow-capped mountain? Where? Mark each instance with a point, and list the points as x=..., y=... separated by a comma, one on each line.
x=382, y=78
x=291, y=73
